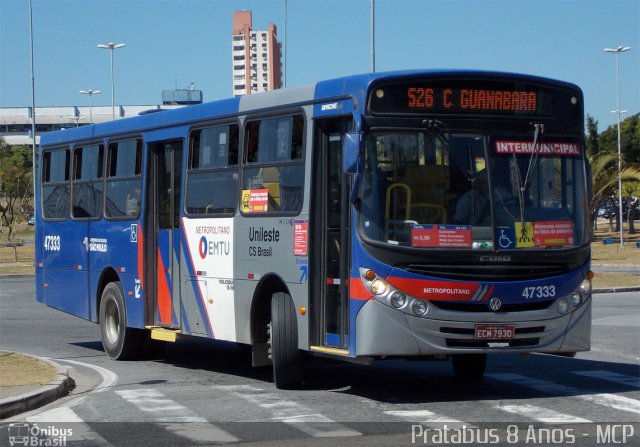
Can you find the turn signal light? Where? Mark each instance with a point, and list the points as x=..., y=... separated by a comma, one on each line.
x=370, y=275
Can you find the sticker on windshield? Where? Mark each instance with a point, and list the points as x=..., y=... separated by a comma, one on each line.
x=443, y=236
x=524, y=235
x=538, y=234
x=553, y=233
x=505, y=238
x=543, y=148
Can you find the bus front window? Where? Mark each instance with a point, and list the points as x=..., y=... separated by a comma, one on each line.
x=426, y=189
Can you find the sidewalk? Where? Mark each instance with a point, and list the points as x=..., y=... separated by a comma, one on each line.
x=21, y=398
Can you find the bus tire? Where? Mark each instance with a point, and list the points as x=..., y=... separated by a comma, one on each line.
x=285, y=356
x=119, y=341
x=469, y=367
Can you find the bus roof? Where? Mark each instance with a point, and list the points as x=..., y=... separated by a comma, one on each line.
x=354, y=87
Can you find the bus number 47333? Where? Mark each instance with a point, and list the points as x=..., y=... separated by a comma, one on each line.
x=530, y=293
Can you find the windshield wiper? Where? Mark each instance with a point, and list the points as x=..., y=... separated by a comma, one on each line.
x=522, y=187
x=539, y=130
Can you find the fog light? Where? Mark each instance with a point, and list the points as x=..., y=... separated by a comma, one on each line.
x=378, y=287
x=585, y=287
x=398, y=299
x=563, y=306
x=576, y=299
x=419, y=307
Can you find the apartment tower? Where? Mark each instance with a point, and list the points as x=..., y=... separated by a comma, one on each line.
x=256, y=56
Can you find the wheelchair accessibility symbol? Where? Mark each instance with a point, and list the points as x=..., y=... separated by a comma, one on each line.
x=506, y=237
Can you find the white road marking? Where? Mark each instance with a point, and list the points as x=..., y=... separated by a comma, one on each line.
x=171, y=415
x=60, y=414
x=615, y=401
x=296, y=415
x=540, y=414
x=109, y=378
x=58, y=417
x=426, y=417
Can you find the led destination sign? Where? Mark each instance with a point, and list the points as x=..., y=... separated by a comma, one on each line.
x=475, y=97
x=482, y=100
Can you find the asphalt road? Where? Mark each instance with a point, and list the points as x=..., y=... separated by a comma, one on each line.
x=202, y=393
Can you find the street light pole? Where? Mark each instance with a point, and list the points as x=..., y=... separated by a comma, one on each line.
x=373, y=35
x=112, y=46
x=617, y=51
x=90, y=93
x=34, y=158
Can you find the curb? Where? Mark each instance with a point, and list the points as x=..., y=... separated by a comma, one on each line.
x=60, y=386
x=616, y=289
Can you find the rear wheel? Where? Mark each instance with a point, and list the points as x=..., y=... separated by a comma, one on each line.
x=469, y=366
x=119, y=341
x=283, y=338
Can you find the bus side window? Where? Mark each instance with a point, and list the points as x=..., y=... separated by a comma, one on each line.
x=212, y=174
x=87, y=186
x=55, y=184
x=124, y=182
x=274, y=174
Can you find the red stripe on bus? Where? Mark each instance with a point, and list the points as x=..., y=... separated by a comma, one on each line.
x=164, y=299
x=489, y=293
x=140, y=260
x=357, y=290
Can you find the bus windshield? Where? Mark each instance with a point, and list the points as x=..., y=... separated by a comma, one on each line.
x=439, y=190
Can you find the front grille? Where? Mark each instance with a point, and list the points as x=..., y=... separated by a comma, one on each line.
x=491, y=272
x=478, y=307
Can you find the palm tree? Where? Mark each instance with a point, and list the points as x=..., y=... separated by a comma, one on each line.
x=605, y=178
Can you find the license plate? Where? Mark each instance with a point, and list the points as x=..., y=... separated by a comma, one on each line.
x=495, y=332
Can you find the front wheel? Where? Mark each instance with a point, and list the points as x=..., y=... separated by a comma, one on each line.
x=469, y=367
x=285, y=356
x=119, y=341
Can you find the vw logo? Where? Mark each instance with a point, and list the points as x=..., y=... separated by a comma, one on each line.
x=495, y=304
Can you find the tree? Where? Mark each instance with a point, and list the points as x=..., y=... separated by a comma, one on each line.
x=629, y=139
x=16, y=188
x=592, y=138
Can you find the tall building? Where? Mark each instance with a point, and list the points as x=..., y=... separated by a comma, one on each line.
x=256, y=56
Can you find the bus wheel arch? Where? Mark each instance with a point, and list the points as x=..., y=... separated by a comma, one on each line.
x=107, y=276
x=260, y=317
x=119, y=341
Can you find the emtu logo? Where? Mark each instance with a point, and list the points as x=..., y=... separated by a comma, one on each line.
x=203, y=247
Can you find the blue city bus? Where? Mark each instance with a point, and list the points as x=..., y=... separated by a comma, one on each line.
x=437, y=214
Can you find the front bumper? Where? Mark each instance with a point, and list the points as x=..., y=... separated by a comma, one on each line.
x=384, y=331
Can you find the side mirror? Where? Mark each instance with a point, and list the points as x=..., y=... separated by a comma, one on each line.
x=351, y=152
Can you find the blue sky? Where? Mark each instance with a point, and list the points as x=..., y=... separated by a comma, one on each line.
x=170, y=43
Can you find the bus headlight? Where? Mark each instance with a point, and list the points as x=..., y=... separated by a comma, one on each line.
x=563, y=306
x=585, y=287
x=398, y=299
x=378, y=287
x=576, y=299
x=419, y=307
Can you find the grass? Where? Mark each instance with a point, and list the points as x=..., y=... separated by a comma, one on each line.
x=17, y=369
x=601, y=254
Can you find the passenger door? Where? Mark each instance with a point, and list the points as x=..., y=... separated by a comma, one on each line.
x=332, y=231
x=165, y=166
